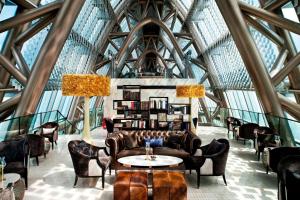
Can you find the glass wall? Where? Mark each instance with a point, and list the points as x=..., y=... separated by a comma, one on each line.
x=8, y=11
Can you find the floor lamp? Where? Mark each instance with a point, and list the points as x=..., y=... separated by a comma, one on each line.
x=86, y=85
x=190, y=91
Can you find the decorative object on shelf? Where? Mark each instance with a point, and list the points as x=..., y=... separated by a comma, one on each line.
x=85, y=85
x=190, y=91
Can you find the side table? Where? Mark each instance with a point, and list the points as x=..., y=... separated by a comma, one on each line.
x=18, y=184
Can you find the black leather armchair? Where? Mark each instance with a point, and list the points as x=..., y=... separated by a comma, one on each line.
x=211, y=159
x=232, y=124
x=264, y=137
x=16, y=153
x=289, y=178
x=89, y=160
x=274, y=155
x=37, y=146
x=246, y=132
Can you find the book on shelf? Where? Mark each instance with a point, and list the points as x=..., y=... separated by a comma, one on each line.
x=163, y=124
x=144, y=105
x=135, y=124
x=162, y=117
x=128, y=124
x=153, y=123
x=118, y=125
x=142, y=124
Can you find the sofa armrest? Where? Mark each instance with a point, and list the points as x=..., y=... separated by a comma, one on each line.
x=192, y=143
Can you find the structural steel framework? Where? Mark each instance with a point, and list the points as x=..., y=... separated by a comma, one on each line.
x=134, y=45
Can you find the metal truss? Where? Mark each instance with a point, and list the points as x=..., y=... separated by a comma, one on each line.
x=61, y=16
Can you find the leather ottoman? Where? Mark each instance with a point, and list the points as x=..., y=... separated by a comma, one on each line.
x=131, y=186
x=169, y=186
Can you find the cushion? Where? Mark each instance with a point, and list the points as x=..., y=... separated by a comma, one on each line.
x=180, y=153
x=175, y=139
x=130, y=141
x=48, y=130
x=214, y=147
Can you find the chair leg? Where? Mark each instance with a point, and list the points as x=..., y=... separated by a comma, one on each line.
x=103, y=178
x=258, y=155
x=44, y=155
x=267, y=170
x=109, y=168
x=55, y=143
x=37, y=160
x=224, y=179
x=198, y=178
x=244, y=141
x=76, y=179
x=190, y=171
x=52, y=145
x=26, y=179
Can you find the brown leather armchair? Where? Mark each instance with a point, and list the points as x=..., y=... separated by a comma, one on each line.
x=88, y=160
x=37, y=146
x=16, y=153
x=50, y=130
x=211, y=159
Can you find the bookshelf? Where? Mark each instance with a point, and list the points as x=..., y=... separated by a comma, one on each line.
x=155, y=114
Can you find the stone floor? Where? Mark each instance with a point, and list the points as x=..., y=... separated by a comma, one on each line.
x=246, y=177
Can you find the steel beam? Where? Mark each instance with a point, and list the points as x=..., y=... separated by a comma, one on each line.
x=21, y=62
x=253, y=62
x=270, y=17
x=28, y=16
x=48, y=56
x=2, y=2
x=140, y=25
x=26, y=4
x=291, y=107
x=274, y=4
x=279, y=62
x=154, y=52
x=35, y=28
x=265, y=31
x=13, y=70
x=292, y=64
x=294, y=76
x=10, y=102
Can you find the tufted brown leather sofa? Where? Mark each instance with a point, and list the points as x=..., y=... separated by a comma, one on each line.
x=188, y=146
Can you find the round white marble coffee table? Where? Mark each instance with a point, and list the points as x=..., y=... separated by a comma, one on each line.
x=141, y=161
x=9, y=178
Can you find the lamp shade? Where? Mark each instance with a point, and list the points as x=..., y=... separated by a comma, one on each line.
x=86, y=85
x=196, y=91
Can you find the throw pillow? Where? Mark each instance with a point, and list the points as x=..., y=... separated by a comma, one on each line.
x=214, y=147
x=175, y=140
x=130, y=141
x=48, y=130
x=158, y=142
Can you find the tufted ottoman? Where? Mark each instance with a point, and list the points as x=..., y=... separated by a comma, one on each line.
x=169, y=186
x=131, y=186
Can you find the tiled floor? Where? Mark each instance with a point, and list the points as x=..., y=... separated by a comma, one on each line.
x=246, y=177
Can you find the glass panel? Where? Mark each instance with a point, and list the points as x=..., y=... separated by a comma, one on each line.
x=8, y=11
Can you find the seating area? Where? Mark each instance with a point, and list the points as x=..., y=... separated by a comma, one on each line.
x=244, y=174
x=149, y=99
